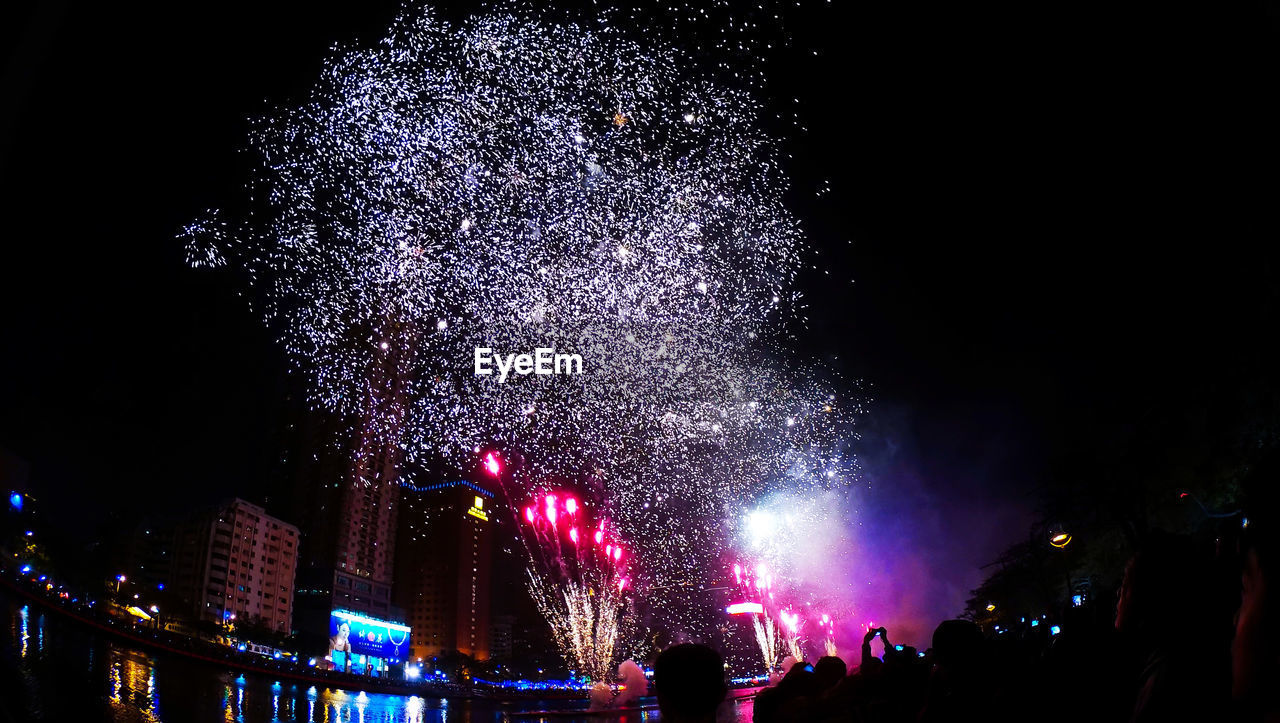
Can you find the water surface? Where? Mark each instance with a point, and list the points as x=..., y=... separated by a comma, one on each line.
x=54, y=670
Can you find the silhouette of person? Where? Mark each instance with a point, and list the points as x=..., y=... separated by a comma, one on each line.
x=1255, y=648
x=689, y=682
x=1166, y=609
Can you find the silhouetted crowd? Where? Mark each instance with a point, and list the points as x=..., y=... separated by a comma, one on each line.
x=1195, y=637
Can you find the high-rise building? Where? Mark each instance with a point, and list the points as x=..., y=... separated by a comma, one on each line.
x=236, y=560
x=348, y=496
x=500, y=636
x=319, y=471
x=349, y=536
x=147, y=556
x=444, y=564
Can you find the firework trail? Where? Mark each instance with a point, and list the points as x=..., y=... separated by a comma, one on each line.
x=767, y=639
x=828, y=626
x=791, y=625
x=803, y=530
x=578, y=578
x=755, y=583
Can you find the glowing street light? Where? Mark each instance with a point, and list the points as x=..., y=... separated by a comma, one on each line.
x=991, y=607
x=119, y=579
x=1060, y=538
x=1058, y=535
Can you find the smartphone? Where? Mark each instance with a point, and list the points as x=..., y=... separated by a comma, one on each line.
x=808, y=668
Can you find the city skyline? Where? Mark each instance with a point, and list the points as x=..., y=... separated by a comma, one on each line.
x=1041, y=271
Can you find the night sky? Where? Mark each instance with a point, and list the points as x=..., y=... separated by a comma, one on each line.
x=1039, y=221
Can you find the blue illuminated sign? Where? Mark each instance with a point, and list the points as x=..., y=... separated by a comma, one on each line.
x=368, y=636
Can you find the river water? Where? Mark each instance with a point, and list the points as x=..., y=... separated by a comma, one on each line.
x=54, y=670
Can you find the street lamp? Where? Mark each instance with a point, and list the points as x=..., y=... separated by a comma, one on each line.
x=119, y=579
x=1060, y=538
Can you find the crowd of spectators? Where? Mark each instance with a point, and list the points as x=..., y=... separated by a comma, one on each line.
x=1195, y=637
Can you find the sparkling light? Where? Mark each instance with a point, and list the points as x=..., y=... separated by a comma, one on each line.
x=513, y=182
x=581, y=593
x=491, y=464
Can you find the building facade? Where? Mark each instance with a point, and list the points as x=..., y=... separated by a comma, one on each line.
x=347, y=500
x=348, y=509
x=236, y=563
x=365, y=537
x=500, y=631
x=444, y=568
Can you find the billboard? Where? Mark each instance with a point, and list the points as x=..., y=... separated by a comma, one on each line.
x=477, y=509
x=353, y=633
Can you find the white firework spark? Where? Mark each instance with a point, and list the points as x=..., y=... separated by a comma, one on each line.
x=515, y=183
x=578, y=579
x=829, y=647
x=767, y=640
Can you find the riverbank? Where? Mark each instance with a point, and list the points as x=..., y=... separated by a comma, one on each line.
x=192, y=649
x=220, y=660
x=60, y=664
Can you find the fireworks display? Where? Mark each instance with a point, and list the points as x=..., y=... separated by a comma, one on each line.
x=827, y=625
x=791, y=625
x=779, y=622
x=578, y=577
x=514, y=183
x=807, y=535
x=767, y=639
x=755, y=584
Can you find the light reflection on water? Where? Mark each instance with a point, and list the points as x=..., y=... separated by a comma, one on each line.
x=133, y=686
x=24, y=614
x=129, y=686
x=243, y=697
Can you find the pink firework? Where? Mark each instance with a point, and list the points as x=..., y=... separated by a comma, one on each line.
x=492, y=465
x=580, y=588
